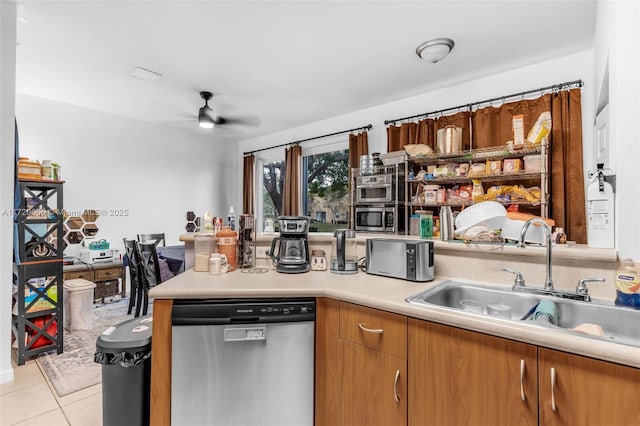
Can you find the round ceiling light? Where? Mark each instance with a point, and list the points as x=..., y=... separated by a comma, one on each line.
x=435, y=50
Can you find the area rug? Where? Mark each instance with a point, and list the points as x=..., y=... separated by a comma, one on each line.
x=74, y=369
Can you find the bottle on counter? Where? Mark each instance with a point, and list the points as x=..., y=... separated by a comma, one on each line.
x=628, y=284
x=232, y=219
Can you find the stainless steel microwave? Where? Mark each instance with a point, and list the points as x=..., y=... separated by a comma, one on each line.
x=376, y=219
x=375, y=189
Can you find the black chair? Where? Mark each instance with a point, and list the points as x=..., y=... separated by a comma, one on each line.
x=150, y=273
x=154, y=238
x=135, y=275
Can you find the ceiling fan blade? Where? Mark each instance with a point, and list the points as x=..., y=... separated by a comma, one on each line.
x=242, y=121
x=207, y=113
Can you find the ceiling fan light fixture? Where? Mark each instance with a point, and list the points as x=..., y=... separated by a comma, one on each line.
x=205, y=113
x=435, y=50
x=205, y=124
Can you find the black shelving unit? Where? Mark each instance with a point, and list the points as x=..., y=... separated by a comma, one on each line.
x=37, y=314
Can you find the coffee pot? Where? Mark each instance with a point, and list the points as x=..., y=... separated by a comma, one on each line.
x=290, y=251
x=344, y=258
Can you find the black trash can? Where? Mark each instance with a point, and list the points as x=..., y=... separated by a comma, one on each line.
x=124, y=351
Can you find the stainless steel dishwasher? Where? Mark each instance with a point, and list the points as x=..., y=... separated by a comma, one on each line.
x=242, y=362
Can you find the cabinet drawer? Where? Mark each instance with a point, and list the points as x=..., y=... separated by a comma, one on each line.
x=373, y=328
x=107, y=274
x=85, y=275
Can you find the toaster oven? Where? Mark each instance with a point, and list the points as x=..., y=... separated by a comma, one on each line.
x=410, y=260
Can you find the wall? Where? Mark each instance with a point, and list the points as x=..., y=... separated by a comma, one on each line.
x=568, y=68
x=617, y=64
x=7, y=96
x=153, y=172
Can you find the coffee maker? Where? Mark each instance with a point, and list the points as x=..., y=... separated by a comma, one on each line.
x=292, y=255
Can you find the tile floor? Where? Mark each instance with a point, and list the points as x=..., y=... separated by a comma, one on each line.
x=31, y=400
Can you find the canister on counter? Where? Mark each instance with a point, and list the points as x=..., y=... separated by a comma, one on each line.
x=204, y=244
x=426, y=226
x=228, y=245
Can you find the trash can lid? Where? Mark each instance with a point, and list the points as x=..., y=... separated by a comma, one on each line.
x=78, y=284
x=131, y=336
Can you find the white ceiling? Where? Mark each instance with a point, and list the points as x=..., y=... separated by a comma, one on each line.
x=280, y=63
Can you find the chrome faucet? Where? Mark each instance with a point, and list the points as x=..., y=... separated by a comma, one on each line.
x=548, y=282
x=581, y=293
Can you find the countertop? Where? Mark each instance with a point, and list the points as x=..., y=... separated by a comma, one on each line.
x=387, y=294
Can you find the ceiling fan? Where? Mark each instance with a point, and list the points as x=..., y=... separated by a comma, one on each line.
x=208, y=118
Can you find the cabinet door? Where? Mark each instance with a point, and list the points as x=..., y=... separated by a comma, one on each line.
x=587, y=391
x=461, y=377
x=328, y=374
x=374, y=390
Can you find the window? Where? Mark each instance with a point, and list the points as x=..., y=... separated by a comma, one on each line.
x=325, y=197
x=269, y=193
x=325, y=186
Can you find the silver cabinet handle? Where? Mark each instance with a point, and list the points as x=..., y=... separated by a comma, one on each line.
x=395, y=386
x=370, y=330
x=522, y=380
x=553, y=389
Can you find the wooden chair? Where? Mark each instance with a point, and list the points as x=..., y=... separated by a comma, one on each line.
x=150, y=272
x=154, y=238
x=135, y=275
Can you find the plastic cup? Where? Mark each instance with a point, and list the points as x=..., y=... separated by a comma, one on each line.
x=472, y=306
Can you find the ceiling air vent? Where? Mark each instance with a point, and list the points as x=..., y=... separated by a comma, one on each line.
x=145, y=74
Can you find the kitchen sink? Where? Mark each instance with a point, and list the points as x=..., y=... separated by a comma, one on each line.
x=618, y=324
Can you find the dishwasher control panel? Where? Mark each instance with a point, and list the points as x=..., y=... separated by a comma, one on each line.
x=227, y=311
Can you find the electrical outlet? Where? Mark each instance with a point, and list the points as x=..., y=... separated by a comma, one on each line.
x=261, y=252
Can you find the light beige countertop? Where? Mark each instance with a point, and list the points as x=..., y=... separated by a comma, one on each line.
x=387, y=294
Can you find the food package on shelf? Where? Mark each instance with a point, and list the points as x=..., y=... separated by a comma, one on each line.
x=460, y=195
x=517, y=124
x=541, y=129
x=511, y=165
x=493, y=167
x=513, y=193
x=446, y=170
x=532, y=163
x=478, y=191
x=477, y=169
x=418, y=149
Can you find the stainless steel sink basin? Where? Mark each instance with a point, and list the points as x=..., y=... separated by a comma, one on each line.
x=618, y=324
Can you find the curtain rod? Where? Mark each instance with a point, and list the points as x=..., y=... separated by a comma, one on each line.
x=561, y=86
x=367, y=127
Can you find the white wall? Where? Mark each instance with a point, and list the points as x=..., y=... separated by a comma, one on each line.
x=7, y=113
x=154, y=172
x=617, y=54
x=568, y=68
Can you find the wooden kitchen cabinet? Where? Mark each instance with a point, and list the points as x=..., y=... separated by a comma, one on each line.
x=586, y=391
x=463, y=377
x=356, y=369
x=373, y=352
x=374, y=389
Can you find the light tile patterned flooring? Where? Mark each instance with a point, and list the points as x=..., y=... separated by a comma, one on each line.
x=31, y=400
